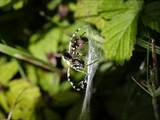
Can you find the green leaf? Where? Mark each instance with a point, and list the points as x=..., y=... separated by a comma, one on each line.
x=23, y=97
x=8, y=4
x=31, y=73
x=18, y=5
x=65, y=86
x=3, y=101
x=118, y=22
x=4, y=2
x=7, y=71
x=2, y=60
x=46, y=44
x=49, y=82
x=53, y=4
x=87, y=8
x=120, y=28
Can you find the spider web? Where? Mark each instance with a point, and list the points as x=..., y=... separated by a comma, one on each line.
x=94, y=56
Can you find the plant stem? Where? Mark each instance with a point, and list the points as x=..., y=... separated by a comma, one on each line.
x=154, y=64
x=155, y=108
x=154, y=80
x=25, y=57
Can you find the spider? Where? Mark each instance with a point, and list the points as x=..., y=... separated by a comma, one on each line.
x=74, y=59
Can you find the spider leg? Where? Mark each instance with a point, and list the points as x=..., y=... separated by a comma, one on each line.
x=75, y=33
x=83, y=83
x=93, y=62
x=71, y=83
x=82, y=34
x=82, y=71
x=80, y=86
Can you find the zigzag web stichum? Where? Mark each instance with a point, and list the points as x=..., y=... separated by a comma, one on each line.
x=93, y=58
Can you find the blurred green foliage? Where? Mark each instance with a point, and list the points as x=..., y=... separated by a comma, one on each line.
x=34, y=34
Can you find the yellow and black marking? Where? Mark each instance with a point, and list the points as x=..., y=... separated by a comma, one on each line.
x=75, y=58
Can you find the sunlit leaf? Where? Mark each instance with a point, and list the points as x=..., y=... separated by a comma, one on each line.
x=118, y=22
x=23, y=97
x=46, y=44
x=49, y=82
x=31, y=74
x=120, y=28
x=18, y=5
x=4, y=2
x=7, y=71
x=3, y=101
x=53, y=4
x=87, y=8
